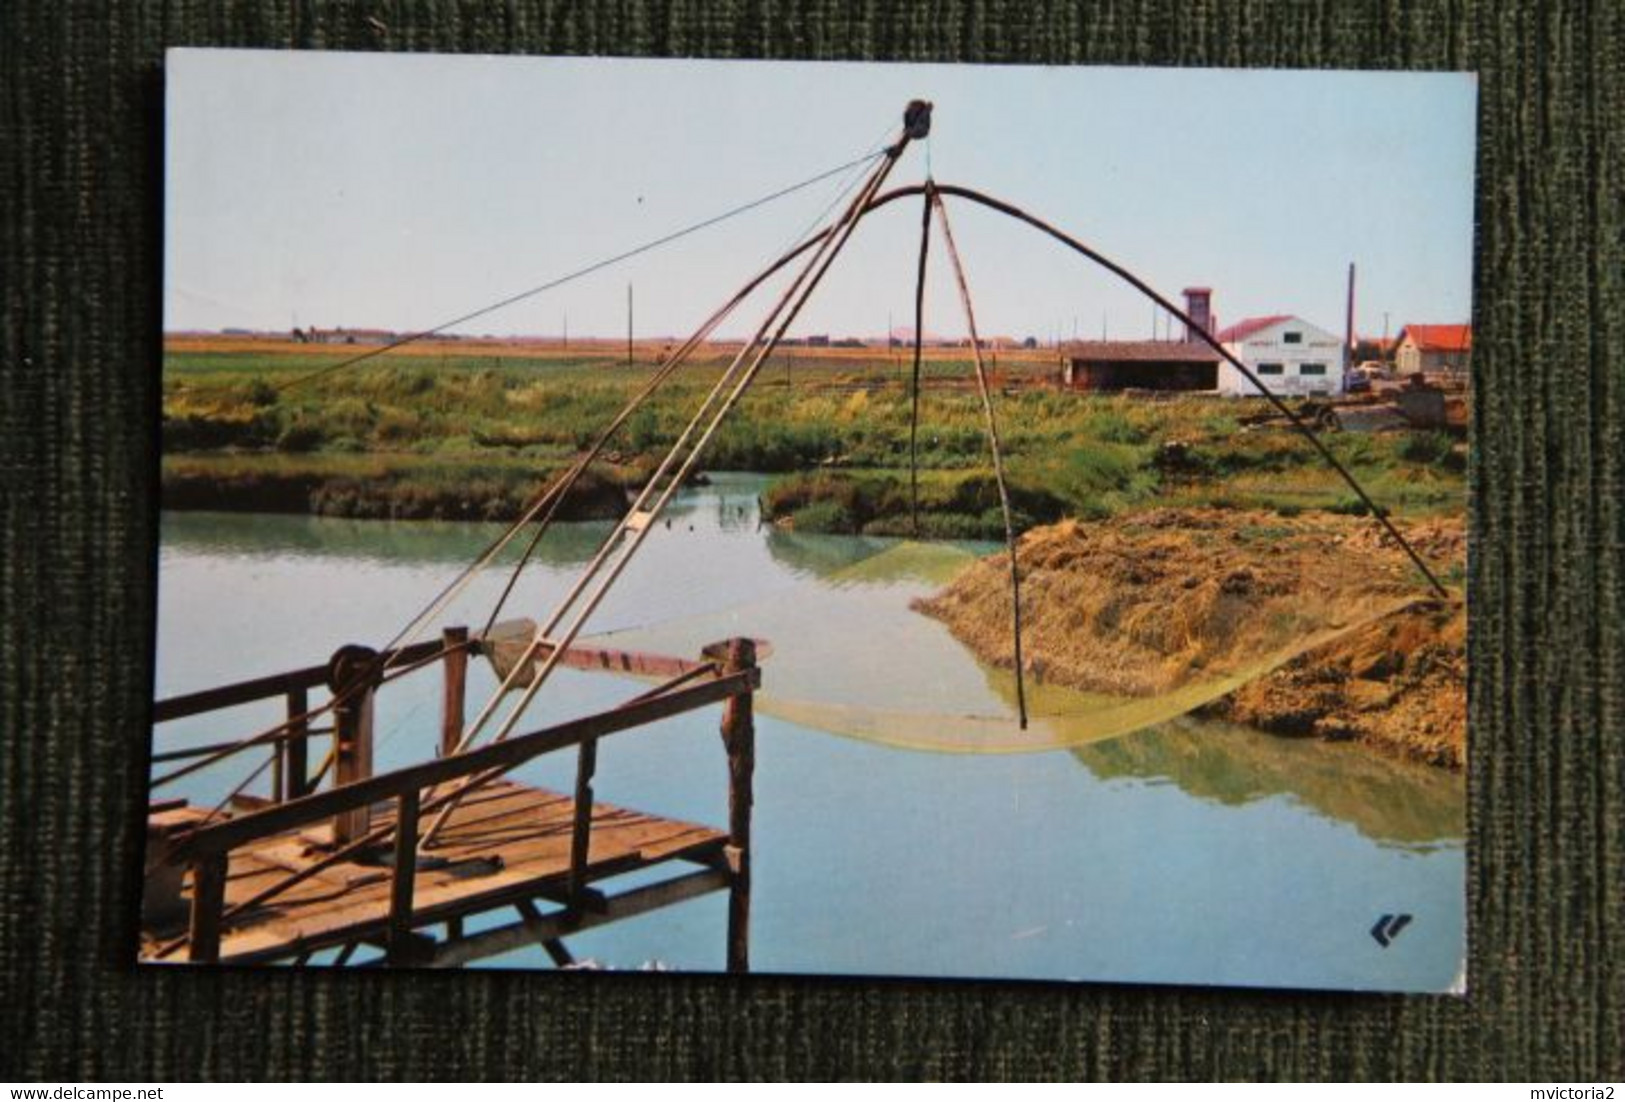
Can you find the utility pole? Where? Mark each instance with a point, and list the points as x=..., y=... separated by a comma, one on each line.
x=629, y=325
x=567, y=330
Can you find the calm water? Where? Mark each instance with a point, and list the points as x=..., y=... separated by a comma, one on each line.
x=1190, y=852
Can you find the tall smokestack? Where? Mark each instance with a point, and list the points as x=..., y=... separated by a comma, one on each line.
x=1348, y=343
x=1199, y=305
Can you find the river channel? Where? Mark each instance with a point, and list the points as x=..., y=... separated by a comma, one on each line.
x=902, y=825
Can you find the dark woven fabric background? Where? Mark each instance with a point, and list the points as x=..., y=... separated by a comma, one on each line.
x=80, y=206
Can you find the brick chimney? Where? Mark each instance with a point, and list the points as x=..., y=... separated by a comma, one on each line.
x=1199, y=305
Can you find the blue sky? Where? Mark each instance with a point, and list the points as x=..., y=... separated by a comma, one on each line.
x=397, y=191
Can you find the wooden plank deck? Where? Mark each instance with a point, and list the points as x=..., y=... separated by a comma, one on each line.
x=503, y=846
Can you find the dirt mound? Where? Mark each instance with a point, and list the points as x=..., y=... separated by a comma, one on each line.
x=1147, y=603
x=1399, y=683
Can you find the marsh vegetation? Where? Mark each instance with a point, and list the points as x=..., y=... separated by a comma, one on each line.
x=462, y=430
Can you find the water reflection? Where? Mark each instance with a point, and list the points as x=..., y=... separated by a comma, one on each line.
x=1194, y=852
x=1392, y=802
x=821, y=555
x=873, y=560
x=853, y=659
x=415, y=543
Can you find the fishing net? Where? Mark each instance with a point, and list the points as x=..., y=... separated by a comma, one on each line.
x=875, y=668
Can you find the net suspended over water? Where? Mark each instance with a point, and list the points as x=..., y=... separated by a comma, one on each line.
x=848, y=654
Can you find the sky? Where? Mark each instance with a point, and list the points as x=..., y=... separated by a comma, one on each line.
x=398, y=191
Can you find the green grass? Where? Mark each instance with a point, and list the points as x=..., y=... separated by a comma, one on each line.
x=952, y=504
x=385, y=486
x=488, y=424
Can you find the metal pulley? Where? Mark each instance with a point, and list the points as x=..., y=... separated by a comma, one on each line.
x=917, y=119
x=351, y=663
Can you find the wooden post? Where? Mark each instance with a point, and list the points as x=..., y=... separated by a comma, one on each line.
x=455, y=640
x=208, y=901
x=739, y=739
x=581, y=829
x=400, y=887
x=296, y=769
x=352, y=674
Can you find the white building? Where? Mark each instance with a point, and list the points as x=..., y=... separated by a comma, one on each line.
x=1288, y=355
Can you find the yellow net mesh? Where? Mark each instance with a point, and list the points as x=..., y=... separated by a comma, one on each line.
x=850, y=656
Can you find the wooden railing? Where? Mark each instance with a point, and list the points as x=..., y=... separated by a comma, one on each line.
x=290, y=765
x=290, y=768
x=692, y=685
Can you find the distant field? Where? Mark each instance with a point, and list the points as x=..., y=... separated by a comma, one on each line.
x=253, y=353
x=513, y=412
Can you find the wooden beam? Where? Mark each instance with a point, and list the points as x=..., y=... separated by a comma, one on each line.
x=455, y=642
x=352, y=723
x=532, y=920
x=208, y=900
x=187, y=752
x=276, y=684
x=637, y=901
x=507, y=642
x=401, y=947
x=297, y=747
x=513, y=752
x=240, y=692
x=581, y=827
x=739, y=738
x=429, y=913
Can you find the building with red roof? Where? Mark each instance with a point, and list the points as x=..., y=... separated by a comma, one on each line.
x=1286, y=353
x=1434, y=348
x=1246, y=327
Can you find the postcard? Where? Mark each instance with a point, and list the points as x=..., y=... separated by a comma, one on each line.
x=813, y=518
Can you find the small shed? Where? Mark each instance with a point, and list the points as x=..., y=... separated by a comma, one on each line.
x=1139, y=365
x=1434, y=349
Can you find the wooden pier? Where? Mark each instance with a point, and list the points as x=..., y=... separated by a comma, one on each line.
x=353, y=872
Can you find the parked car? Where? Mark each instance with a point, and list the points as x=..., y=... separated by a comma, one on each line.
x=1363, y=377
